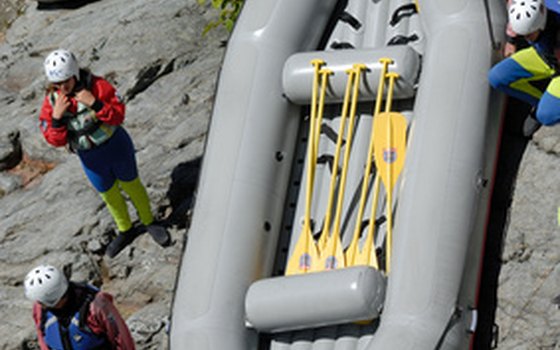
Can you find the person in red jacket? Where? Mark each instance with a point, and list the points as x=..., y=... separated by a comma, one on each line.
x=73, y=316
x=84, y=113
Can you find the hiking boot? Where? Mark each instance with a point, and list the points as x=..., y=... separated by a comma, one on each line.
x=121, y=241
x=159, y=234
x=531, y=124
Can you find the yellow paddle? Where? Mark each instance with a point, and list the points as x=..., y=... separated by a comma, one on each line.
x=305, y=250
x=333, y=256
x=390, y=153
x=367, y=255
x=324, y=75
x=317, y=64
x=344, y=114
x=353, y=248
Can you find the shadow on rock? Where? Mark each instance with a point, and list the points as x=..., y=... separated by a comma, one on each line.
x=11, y=152
x=181, y=192
x=512, y=148
x=64, y=4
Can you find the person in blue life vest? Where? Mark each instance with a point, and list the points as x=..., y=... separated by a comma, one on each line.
x=531, y=62
x=72, y=316
x=83, y=112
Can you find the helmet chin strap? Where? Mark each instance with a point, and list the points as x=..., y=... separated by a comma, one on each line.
x=78, y=86
x=533, y=36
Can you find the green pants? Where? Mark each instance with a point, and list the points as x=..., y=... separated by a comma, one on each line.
x=117, y=206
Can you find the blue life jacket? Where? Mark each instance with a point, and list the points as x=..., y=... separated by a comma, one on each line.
x=76, y=335
x=553, y=5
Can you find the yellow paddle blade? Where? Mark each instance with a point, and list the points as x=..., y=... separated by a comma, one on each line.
x=305, y=251
x=304, y=255
x=367, y=256
x=390, y=146
x=332, y=257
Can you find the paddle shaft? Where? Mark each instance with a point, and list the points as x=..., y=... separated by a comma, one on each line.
x=349, y=137
x=353, y=248
x=389, y=186
x=344, y=114
x=335, y=257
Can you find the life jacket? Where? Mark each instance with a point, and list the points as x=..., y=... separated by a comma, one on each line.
x=552, y=5
x=76, y=335
x=85, y=131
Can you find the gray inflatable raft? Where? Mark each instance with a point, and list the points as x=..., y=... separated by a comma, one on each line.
x=251, y=203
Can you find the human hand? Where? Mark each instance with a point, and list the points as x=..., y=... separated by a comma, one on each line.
x=61, y=104
x=509, y=49
x=86, y=97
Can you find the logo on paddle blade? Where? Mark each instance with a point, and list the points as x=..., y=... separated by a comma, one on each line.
x=390, y=155
x=331, y=263
x=305, y=262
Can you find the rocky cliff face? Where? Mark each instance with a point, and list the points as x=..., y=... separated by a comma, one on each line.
x=527, y=314
x=154, y=53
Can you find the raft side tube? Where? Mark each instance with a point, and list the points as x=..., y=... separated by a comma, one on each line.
x=440, y=193
x=243, y=180
x=297, y=77
x=316, y=299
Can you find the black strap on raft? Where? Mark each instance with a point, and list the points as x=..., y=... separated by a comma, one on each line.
x=351, y=20
x=341, y=46
x=327, y=159
x=402, y=12
x=402, y=40
x=331, y=24
x=330, y=133
x=495, y=44
x=377, y=222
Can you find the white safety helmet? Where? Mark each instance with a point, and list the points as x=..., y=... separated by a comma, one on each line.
x=61, y=65
x=527, y=16
x=45, y=284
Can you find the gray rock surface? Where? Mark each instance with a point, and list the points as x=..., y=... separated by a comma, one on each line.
x=154, y=53
x=530, y=272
